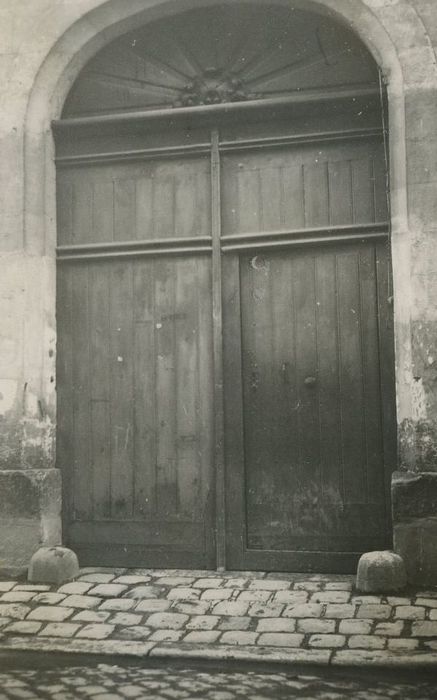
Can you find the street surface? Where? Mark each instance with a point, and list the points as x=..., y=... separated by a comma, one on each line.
x=107, y=681
x=290, y=618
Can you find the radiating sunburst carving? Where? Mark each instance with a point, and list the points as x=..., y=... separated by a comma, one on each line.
x=221, y=54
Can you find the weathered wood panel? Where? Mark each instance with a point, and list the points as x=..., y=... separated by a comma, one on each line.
x=137, y=346
x=314, y=458
x=310, y=186
x=135, y=379
x=116, y=202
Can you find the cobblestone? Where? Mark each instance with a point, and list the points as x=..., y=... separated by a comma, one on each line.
x=96, y=631
x=355, y=626
x=198, y=613
x=14, y=610
x=216, y=594
x=208, y=583
x=376, y=612
x=75, y=588
x=202, y=637
x=202, y=622
x=239, y=638
x=7, y=585
x=303, y=610
x=330, y=597
x=366, y=642
x=254, y=596
x=153, y=605
x=235, y=623
x=17, y=596
x=49, y=598
x=390, y=629
x=113, y=682
x=276, y=624
x=280, y=639
x=60, y=629
x=125, y=619
x=50, y=614
x=85, y=602
x=314, y=625
x=410, y=612
x=91, y=616
x=424, y=629
x=108, y=590
x=24, y=627
x=167, y=620
x=232, y=608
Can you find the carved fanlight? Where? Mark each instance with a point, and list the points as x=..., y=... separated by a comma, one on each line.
x=220, y=54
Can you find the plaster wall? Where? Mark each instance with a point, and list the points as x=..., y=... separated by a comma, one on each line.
x=43, y=45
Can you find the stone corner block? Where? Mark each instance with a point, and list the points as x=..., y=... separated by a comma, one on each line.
x=55, y=565
x=381, y=572
x=414, y=506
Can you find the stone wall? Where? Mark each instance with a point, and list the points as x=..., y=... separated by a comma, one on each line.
x=44, y=43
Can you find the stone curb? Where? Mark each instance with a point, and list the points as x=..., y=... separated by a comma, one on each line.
x=284, y=655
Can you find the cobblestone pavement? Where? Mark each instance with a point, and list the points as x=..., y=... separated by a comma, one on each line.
x=278, y=617
x=114, y=682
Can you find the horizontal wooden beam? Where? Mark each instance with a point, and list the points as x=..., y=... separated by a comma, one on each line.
x=123, y=249
x=293, y=241
x=325, y=231
x=133, y=154
x=302, y=97
x=297, y=139
x=277, y=141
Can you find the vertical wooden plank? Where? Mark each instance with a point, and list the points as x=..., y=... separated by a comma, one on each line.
x=362, y=190
x=371, y=378
x=144, y=359
x=307, y=492
x=329, y=394
x=64, y=210
x=259, y=399
x=166, y=387
x=248, y=197
x=122, y=390
x=282, y=413
x=205, y=383
x=351, y=377
x=185, y=200
x=100, y=426
x=163, y=202
x=340, y=193
x=234, y=427
x=316, y=194
x=83, y=193
x=293, y=200
x=230, y=197
x=217, y=318
x=186, y=362
x=380, y=188
x=144, y=215
x=124, y=209
x=83, y=478
x=202, y=221
x=270, y=196
x=103, y=211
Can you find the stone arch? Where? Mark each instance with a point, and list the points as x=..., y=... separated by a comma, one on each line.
x=380, y=25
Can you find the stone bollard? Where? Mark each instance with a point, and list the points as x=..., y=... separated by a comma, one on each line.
x=381, y=572
x=56, y=565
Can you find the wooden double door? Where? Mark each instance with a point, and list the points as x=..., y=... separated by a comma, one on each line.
x=225, y=371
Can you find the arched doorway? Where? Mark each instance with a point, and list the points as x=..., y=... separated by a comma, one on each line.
x=225, y=374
